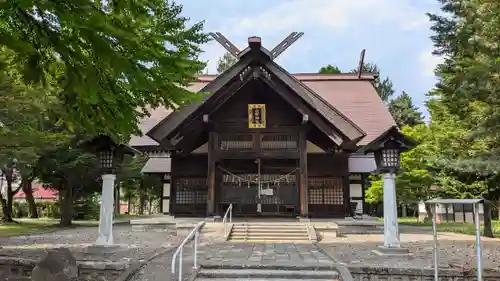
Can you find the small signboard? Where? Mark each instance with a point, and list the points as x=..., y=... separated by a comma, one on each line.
x=257, y=116
x=267, y=191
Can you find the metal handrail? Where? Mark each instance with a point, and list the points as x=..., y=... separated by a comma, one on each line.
x=229, y=212
x=196, y=233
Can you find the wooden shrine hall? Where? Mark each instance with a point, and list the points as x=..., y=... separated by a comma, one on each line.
x=269, y=142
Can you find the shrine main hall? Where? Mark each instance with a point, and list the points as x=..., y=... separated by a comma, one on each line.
x=267, y=141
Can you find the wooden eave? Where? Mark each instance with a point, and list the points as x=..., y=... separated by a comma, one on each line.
x=348, y=128
x=406, y=142
x=228, y=83
x=173, y=120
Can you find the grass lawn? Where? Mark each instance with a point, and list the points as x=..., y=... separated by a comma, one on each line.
x=456, y=227
x=24, y=226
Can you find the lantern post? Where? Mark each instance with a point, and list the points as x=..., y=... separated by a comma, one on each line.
x=110, y=155
x=387, y=150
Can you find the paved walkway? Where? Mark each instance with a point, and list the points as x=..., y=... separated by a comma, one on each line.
x=265, y=255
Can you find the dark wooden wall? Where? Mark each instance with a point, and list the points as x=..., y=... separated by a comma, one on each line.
x=189, y=171
x=234, y=113
x=281, y=119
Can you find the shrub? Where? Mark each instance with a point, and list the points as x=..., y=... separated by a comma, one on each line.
x=48, y=209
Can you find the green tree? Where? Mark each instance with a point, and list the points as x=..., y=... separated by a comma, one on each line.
x=330, y=69
x=225, y=62
x=466, y=35
x=404, y=111
x=110, y=59
x=22, y=136
x=413, y=184
x=72, y=172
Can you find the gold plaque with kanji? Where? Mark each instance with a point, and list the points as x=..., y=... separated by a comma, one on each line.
x=256, y=116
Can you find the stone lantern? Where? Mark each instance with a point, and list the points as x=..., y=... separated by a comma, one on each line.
x=110, y=155
x=387, y=149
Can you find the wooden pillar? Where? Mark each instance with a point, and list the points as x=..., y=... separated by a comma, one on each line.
x=165, y=202
x=303, y=193
x=211, y=174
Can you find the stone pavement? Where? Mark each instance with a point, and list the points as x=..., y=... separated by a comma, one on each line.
x=137, y=245
x=455, y=250
x=159, y=269
x=265, y=255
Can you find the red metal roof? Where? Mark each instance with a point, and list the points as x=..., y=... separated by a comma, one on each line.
x=38, y=193
x=355, y=97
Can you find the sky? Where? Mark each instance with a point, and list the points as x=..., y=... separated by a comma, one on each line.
x=395, y=34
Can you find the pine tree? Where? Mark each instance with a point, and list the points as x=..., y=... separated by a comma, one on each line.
x=468, y=90
x=404, y=111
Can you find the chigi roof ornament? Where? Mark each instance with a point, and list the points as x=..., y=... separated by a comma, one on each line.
x=254, y=40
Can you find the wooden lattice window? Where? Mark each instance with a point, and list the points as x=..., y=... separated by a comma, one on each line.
x=235, y=142
x=279, y=142
x=325, y=191
x=191, y=191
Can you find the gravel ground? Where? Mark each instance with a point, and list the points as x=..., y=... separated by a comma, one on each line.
x=455, y=250
x=135, y=245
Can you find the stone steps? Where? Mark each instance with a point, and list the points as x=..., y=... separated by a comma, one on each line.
x=271, y=232
x=265, y=274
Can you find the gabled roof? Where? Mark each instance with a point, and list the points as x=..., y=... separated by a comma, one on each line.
x=347, y=102
x=355, y=98
x=350, y=131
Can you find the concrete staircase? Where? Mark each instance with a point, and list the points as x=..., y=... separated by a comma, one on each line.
x=264, y=274
x=272, y=273
x=274, y=232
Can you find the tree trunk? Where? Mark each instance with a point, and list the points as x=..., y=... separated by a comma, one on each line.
x=66, y=206
x=150, y=202
x=129, y=207
x=488, y=230
x=26, y=185
x=142, y=199
x=429, y=212
x=9, y=202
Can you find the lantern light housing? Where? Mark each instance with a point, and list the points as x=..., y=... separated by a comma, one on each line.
x=387, y=150
x=109, y=153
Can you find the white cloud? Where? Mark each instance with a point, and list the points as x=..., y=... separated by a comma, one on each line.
x=332, y=14
x=275, y=21
x=428, y=62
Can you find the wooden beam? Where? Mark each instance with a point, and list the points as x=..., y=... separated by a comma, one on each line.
x=329, y=113
x=283, y=45
x=303, y=190
x=230, y=47
x=305, y=118
x=361, y=63
x=211, y=174
x=288, y=96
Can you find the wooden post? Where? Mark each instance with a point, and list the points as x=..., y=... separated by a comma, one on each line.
x=303, y=193
x=211, y=174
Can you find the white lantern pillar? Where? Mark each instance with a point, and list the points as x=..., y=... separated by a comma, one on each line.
x=391, y=228
x=105, y=237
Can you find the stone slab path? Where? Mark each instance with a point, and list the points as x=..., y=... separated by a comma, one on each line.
x=455, y=251
x=265, y=255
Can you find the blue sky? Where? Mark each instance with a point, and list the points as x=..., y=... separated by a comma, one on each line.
x=395, y=34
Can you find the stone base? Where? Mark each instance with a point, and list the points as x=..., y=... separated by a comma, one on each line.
x=392, y=251
x=104, y=249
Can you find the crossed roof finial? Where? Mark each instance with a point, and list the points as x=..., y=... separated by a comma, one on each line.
x=274, y=53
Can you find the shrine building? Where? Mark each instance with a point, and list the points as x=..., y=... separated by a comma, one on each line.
x=269, y=142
